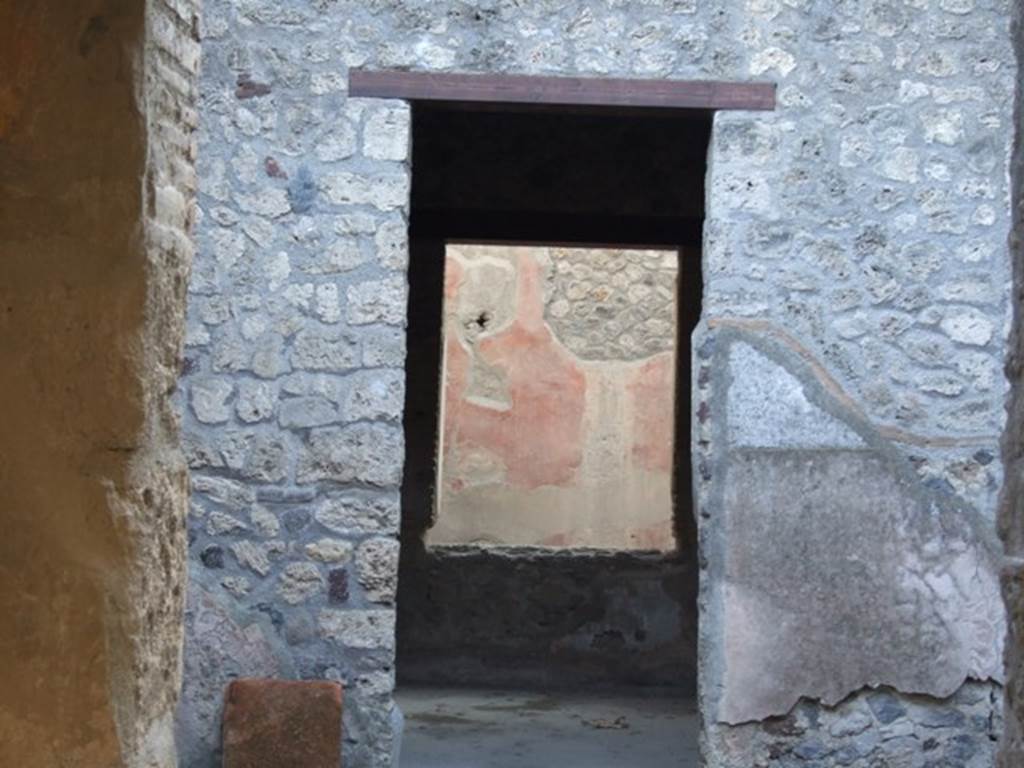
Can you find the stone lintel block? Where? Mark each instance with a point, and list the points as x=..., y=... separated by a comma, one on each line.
x=282, y=724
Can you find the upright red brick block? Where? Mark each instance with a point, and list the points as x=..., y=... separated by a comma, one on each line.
x=282, y=724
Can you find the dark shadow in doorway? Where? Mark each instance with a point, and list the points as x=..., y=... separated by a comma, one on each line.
x=493, y=617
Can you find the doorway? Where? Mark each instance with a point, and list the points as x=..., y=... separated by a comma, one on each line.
x=527, y=636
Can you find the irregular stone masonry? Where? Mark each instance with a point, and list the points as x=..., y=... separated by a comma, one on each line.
x=1011, y=507
x=866, y=216
x=876, y=728
x=606, y=308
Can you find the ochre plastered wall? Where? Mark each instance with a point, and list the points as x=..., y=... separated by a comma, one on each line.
x=95, y=207
x=559, y=372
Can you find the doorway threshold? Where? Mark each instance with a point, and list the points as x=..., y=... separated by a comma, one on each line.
x=480, y=728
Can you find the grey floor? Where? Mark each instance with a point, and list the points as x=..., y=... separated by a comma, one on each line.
x=469, y=728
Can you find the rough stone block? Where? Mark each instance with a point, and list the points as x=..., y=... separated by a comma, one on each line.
x=367, y=453
x=377, y=560
x=299, y=582
x=375, y=395
x=359, y=513
x=304, y=412
x=324, y=351
x=282, y=724
x=385, y=191
x=366, y=629
x=384, y=347
x=378, y=301
x=209, y=397
x=386, y=135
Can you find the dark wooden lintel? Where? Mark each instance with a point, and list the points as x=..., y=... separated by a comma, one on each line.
x=562, y=91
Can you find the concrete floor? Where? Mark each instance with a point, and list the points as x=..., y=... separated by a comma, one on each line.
x=471, y=728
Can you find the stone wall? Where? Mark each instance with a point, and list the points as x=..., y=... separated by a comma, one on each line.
x=96, y=188
x=559, y=368
x=1011, y=508
x=866, y=216
x=293, y=388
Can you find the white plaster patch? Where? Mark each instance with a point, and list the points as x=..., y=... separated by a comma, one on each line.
x=768, y=408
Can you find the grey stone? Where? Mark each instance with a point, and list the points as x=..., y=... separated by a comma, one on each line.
x=366, y=453
x=378, y=301
x=812, y=749
x=252, y=556
x=300, y=630
x=339, y=144
x=218, y=524
x=268, y=360
x=267, y=201
x=359, y=513
x=209, y=398
x=299, y=582
x=391, y=240
x=968, y=326
x=942, y=718
x=359, y=628
x=383, y=347
x=341, y=256
x=962, y=748
x=303, y=412
x=264, y=522
x=330, y=550
x=376, y=395
x=904, y=752
x=377, y=567
x=886, y=707
x=212, y=557
x=867, y=742
x=850, y=725
x=326, y=303
x=302, y=190
x=265, y=458
x=255, y=401
x=386, y=133
x=324, y=351
x=231, y=494
x=337, y=586
x=385, y=191
x=295, y=520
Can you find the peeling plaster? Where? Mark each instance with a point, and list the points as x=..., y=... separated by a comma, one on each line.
x=832, y=565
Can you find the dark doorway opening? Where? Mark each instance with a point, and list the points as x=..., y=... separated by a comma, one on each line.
x=562, y=622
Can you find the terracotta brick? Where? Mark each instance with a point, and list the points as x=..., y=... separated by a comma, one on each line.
x=282, y=724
